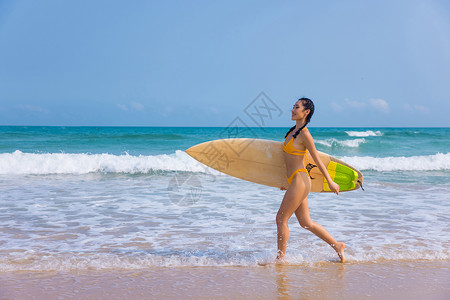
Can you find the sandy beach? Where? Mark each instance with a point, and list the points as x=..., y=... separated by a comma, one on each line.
x=381, y=280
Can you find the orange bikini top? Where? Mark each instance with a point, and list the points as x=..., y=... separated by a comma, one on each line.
x=289, y=148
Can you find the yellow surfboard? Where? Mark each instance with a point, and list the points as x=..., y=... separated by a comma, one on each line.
x=262, y=161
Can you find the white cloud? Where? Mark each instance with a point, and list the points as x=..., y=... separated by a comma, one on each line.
x=132, y=106
x=416, y=108
x=380, y=104
x=355, y=104
x=122, y=107
x=137, y=106
x=33, y=108
x=421, y=108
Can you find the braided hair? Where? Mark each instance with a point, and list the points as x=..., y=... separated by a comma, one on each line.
x=307, y=104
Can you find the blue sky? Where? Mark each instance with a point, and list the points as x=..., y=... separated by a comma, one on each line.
x=201, y=63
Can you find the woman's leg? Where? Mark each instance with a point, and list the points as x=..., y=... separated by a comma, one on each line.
x=296, y=193
x=302, y=214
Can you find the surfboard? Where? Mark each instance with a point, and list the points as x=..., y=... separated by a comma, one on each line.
x=262, y=161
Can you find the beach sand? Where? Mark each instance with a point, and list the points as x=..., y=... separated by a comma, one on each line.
x=380, y=280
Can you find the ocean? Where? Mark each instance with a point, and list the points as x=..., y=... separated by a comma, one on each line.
x=130, y=198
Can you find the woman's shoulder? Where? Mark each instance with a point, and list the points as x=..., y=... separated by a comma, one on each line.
x=305, y=131
x=305, y=134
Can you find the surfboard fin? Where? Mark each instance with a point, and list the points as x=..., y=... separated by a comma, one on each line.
x=360, y=184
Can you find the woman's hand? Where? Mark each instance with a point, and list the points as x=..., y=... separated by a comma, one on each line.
x=334, y=187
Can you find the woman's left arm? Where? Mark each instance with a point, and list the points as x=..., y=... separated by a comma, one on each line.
x=309, y=144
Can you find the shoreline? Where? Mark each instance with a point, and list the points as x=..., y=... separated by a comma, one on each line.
x=374, y=280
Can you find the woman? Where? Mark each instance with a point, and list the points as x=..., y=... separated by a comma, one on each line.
x=298, y=141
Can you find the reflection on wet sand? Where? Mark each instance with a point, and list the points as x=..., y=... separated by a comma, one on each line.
x=305, y=282
x=385, y=280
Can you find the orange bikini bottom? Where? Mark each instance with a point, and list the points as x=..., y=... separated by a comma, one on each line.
x=289, y=179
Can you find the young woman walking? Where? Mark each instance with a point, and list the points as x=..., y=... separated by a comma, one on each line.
x=297, y=143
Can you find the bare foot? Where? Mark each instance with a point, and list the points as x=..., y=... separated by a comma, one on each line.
x=339, y=248
x=280, y=260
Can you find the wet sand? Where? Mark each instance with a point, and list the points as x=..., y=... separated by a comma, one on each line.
x=381, y=280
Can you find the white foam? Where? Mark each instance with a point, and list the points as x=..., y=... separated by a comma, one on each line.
x=436, y=162
x=69, y=163
x=135, y=261
x=19, y=163
x=364, y=133
x=332, y=142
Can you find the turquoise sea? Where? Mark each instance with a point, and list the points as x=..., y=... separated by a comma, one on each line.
x=78, y=198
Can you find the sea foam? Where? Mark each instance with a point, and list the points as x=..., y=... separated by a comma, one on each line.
x=63, y=262
x=436, y=162
x=18, y=163
x=364, y=133
x=71, y=163
x=332, y=142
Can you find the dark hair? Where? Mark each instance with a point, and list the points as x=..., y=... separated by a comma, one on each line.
x=307, y=104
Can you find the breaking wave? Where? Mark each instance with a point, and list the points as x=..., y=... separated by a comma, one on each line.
x=364, y=133
x=332, y=142
x=19, y=163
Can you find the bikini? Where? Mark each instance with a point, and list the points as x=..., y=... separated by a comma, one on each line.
x=289, y=149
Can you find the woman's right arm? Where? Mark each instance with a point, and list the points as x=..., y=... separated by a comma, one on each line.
x=309, y=144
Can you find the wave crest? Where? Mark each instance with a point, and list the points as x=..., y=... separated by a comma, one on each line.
x=364, y=133
x=19, y=163
x=71, y=163
x=332, y=142
x=436, y=162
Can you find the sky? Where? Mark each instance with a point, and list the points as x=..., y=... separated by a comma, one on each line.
x=215, y=63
